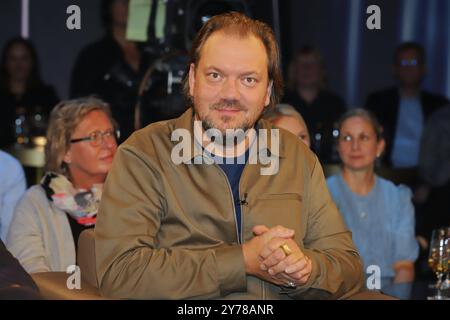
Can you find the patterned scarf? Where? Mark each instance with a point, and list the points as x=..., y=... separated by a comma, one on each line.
x=82, y=205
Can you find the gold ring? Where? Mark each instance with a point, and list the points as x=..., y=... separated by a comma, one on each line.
x=287, y=251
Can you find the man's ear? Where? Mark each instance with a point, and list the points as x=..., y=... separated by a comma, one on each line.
x=191, y=79
x=268, y=93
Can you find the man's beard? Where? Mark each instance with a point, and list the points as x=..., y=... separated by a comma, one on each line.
x=209, y=123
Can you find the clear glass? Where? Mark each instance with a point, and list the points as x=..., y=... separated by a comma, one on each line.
x=438, y=260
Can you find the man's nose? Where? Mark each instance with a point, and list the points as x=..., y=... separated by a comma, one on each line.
x=230, y=89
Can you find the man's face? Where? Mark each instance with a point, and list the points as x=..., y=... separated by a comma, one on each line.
x=230, y=85
x=409, y=69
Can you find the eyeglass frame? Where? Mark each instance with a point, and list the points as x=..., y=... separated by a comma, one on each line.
x=409, y=63
x=114, y=133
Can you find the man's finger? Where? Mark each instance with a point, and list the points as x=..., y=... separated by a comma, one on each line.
x=292, y=262
x=270, y=247
x=278, y=232
x=260, y=229
x=273, y=259
x=298, y=265
x=303, y=274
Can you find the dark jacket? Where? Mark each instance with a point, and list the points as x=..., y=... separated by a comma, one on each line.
x=101, y=70
x=15, y=283
x=321, y=118
x=385, y=105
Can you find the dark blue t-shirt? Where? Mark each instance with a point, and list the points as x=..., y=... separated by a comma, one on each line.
x=233, y=168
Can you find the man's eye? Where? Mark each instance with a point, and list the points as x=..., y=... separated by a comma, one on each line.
x=214, y=76
x=249, y=80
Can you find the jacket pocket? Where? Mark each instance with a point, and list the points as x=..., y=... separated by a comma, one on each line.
x=280, y=196
x=271, y=209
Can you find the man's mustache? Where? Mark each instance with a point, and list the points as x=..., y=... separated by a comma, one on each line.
x=228, y=104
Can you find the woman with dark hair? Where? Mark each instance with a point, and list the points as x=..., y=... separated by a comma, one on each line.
x=23, y=95
x=379, y=214
x=112, y=67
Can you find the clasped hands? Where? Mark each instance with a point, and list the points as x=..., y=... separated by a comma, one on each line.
x=272, y=255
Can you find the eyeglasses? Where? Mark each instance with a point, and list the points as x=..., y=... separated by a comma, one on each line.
x=96, y=137
x=408, y=63
x=361, y=137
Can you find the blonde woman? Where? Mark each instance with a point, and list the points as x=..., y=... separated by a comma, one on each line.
x=285, y=116
x=81, y=143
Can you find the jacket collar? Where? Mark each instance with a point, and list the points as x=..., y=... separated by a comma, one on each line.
x=186, y=122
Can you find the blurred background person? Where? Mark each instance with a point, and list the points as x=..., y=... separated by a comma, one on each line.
x=25, y=100
x=434, y=165
x=112, y=67
x=11, y=190
x=403, y=110
x=379, y=214
x=307, y=92
x=434, y=170
x=44, y=232
x=285, y=116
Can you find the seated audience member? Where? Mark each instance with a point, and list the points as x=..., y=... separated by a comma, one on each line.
x=379, y=214
x=49, y=218
x=434, y=169
x=15, y=283
x=23, y=95
x=307, y=92
x=112, y=67
x=11, y=190
x=285, y=116
x=404, y=109
x=174, y=225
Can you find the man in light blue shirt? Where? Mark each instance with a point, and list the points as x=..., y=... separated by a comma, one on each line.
x=404, y=109
x=12, y=187
x=405, y=152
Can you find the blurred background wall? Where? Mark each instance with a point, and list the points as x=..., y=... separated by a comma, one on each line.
x=358, y=60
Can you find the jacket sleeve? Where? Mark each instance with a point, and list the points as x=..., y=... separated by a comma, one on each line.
x=24, y=239
x=131, y=264
x=336, y=265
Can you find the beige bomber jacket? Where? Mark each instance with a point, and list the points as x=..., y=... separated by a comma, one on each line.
x=168, y=231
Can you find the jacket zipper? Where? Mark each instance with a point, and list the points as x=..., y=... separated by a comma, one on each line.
x=232, y=202
x=239, y=236
x=240, y=203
